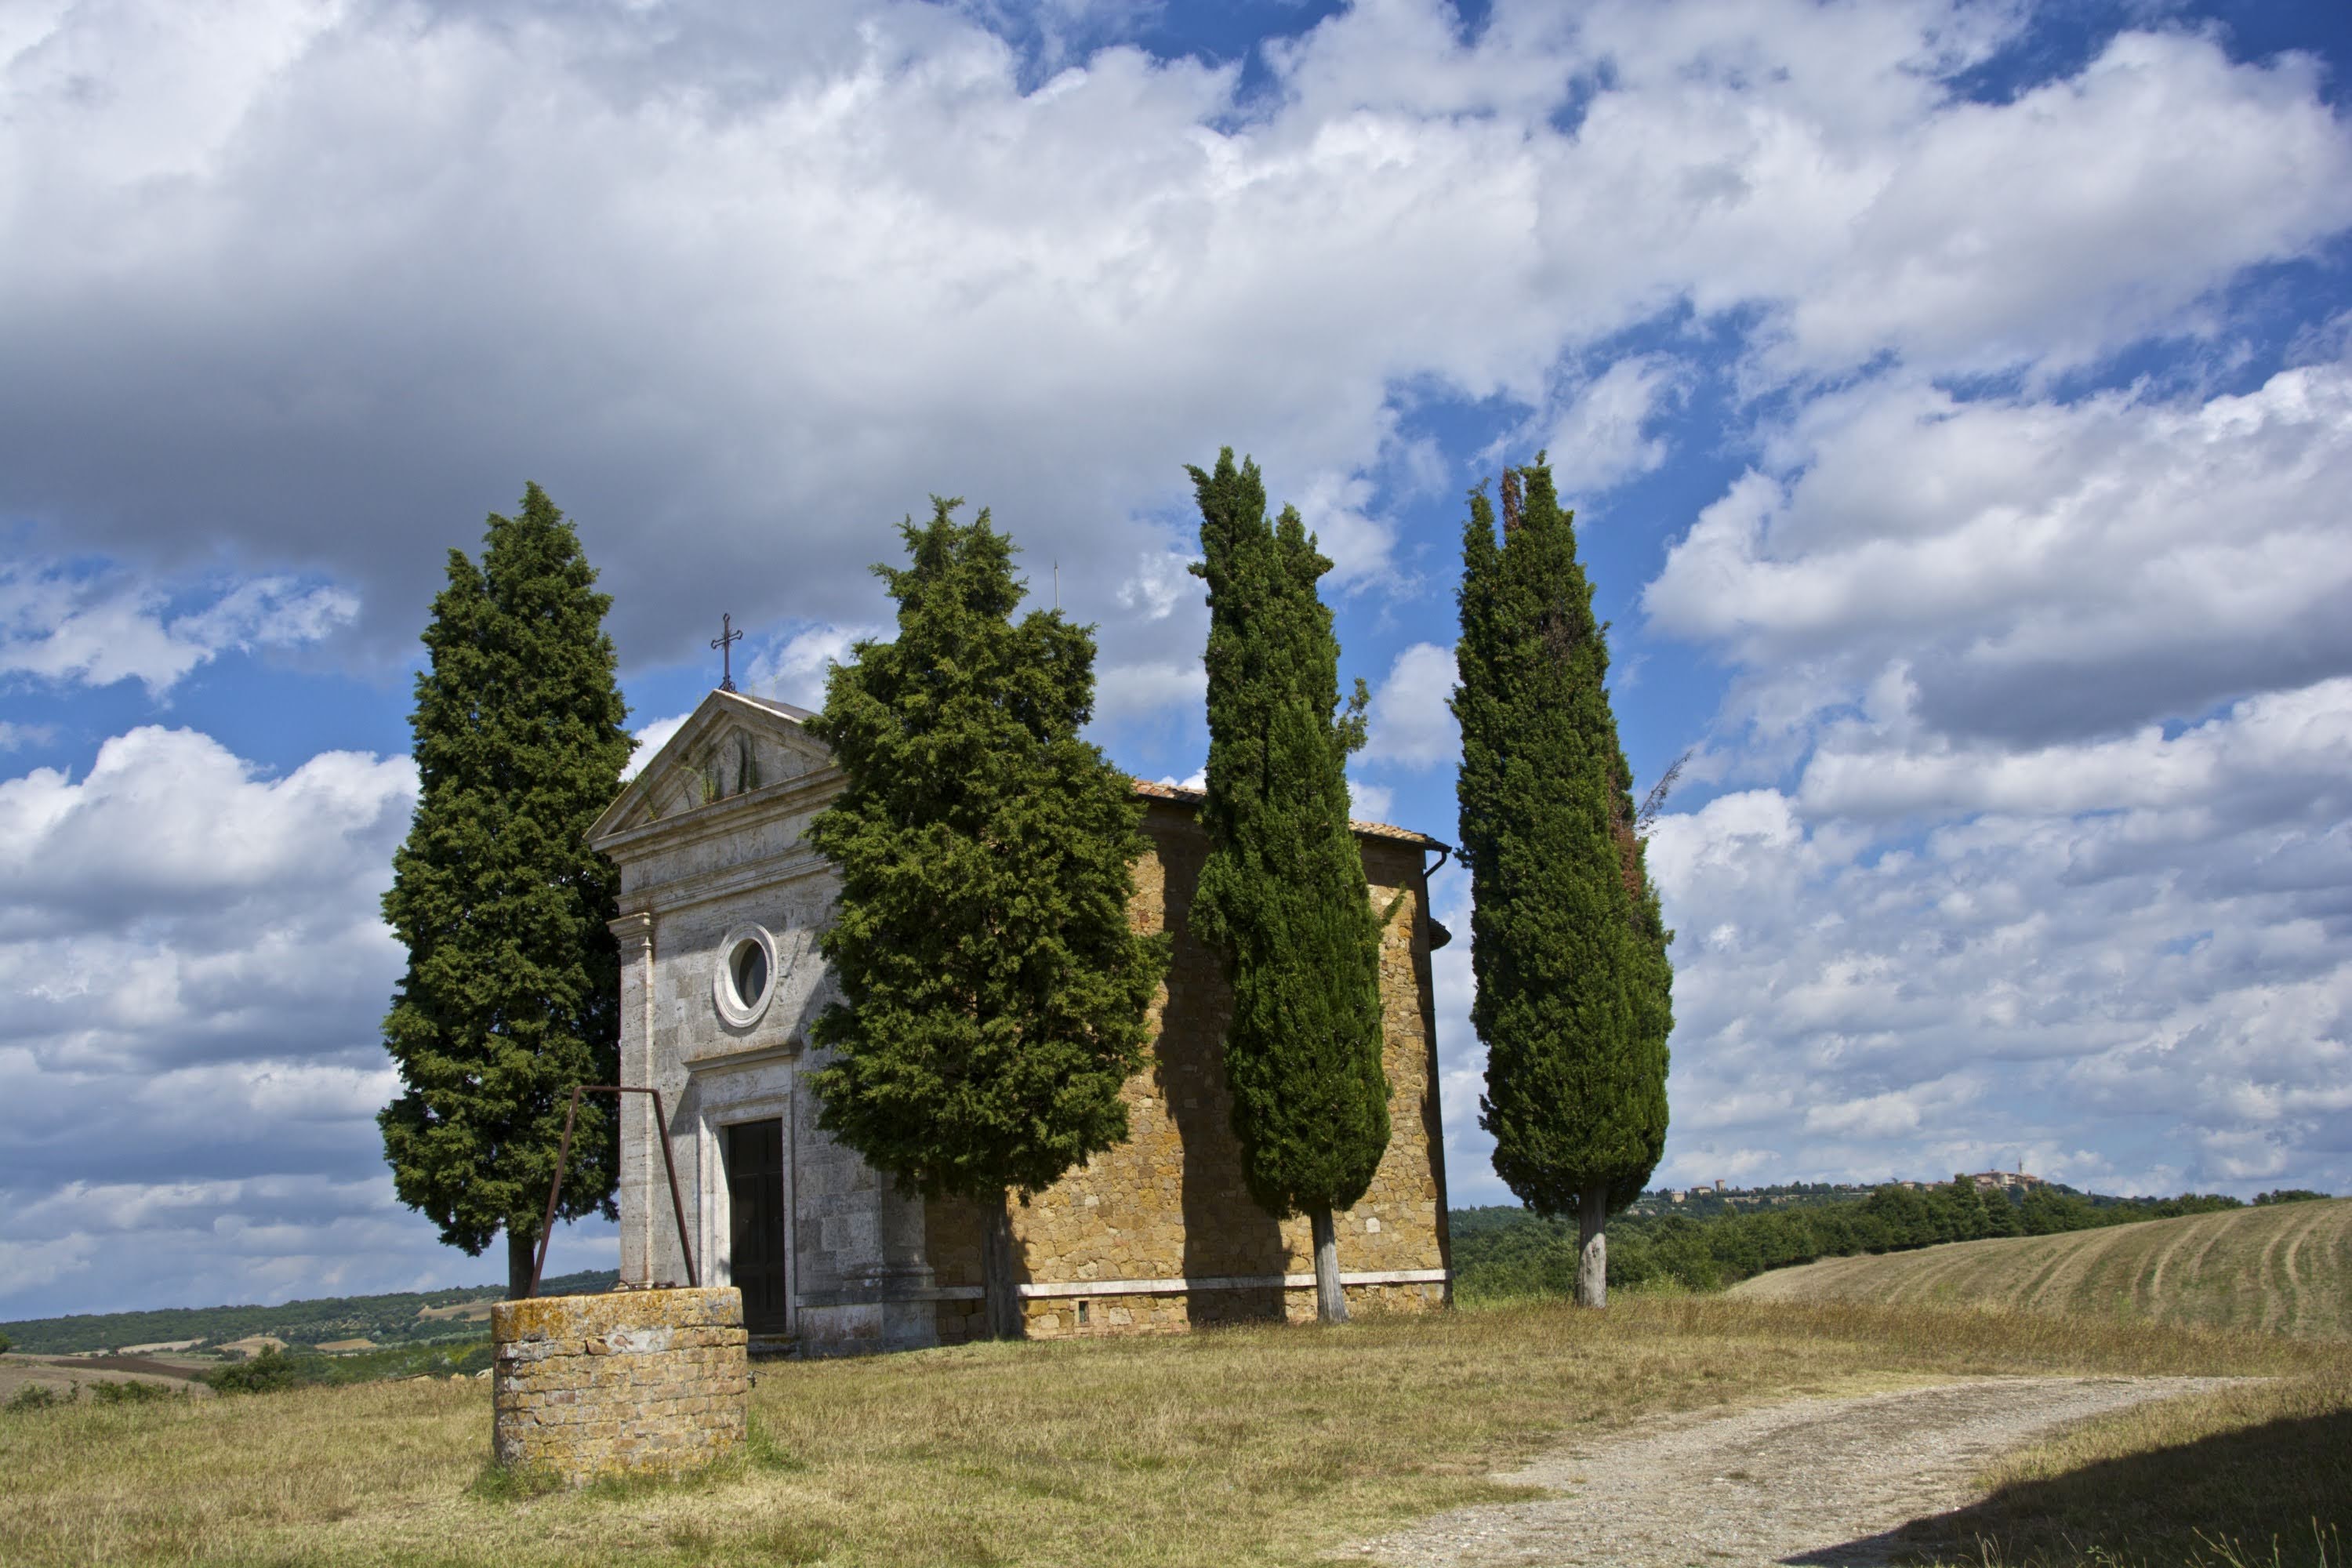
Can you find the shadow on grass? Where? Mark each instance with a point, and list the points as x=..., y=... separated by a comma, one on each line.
x=2277, y=1494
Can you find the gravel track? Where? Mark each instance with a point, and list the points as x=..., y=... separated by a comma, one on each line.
x=1816, y=1481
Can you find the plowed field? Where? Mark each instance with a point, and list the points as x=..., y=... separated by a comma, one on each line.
x=2283, y=1269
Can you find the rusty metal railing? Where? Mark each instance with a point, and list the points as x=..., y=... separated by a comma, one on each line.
x=563, y=1154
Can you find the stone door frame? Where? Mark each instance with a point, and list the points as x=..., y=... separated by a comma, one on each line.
x=716, y=1108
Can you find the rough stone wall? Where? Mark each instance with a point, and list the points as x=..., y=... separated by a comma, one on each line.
x=632, y=1381
x=1170, y=1203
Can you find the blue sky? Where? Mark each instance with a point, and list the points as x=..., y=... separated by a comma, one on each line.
x=1957, y=399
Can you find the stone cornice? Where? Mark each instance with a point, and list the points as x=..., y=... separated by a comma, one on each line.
x=721, y=817
x=783, y=1050
x=702, y=887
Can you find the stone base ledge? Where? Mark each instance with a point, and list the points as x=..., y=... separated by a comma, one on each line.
x=1035, y=1289
x=631, y=1381
x=1227, y=1282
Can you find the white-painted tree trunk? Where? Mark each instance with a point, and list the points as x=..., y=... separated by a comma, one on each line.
x=1001, y=1293
x=1593, y=1249
x=1331, y=1298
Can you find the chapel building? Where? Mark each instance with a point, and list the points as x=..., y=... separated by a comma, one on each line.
x=721, y=900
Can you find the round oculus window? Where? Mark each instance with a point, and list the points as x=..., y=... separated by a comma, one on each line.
x=745, y=975
x=747, y=966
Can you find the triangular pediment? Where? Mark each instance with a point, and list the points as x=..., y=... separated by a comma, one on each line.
x=730, y=746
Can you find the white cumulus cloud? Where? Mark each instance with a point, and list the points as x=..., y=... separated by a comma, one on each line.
x=1607, y=434
x=741, y=285
x=1410, y=723
x=95, y=631
x=2031, y=568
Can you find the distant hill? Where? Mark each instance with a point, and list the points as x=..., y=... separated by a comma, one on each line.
x=2286, y=1268
x=404, y=1316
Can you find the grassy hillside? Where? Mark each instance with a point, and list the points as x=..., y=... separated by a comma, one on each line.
x=1502, y=1254
x=386, y=1320
x=2284, y=1270
x=1260, y=1446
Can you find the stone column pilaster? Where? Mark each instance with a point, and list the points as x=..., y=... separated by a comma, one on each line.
x=641, y=1178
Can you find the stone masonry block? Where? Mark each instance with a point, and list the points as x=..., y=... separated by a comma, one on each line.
x=635, y=1380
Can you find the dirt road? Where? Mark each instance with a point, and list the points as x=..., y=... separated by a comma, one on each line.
x=1817, y=1481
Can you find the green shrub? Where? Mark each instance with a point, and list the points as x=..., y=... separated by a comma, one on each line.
x=41, y=1397
x=133, y=1392
x=265, y=1373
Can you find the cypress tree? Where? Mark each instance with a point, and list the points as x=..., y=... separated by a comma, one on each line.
x=512, y=990
x=1574, y=988
x=994, y=995
x=1282, y=897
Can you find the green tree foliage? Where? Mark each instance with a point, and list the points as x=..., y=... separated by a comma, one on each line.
x=131, y=1391
x=1282, y=897
x=272, y=1371
x=2288, y=1195
x=1573, y=1000
x=2002, y=1218
x=2048, y=1211
x=512, y=990
x=994, y=993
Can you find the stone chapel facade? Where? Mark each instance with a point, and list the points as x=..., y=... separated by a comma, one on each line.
x=720, y=901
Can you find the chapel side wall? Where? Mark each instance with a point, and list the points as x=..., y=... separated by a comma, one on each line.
x=1170, y=1203
x=1407, y=1196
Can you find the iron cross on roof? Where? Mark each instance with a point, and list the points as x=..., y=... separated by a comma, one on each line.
x=728, y=636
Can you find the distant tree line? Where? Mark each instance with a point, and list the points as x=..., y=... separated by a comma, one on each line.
x=384, y=1319
x=1505, y=1252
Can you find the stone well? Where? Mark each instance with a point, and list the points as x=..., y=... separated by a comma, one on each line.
x=632, y=1381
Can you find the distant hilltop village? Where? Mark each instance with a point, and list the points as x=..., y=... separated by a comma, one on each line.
x=1718, y=1197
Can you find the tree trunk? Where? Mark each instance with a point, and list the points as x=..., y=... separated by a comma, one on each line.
x=1003, y=1303
x=522, y=1251
x=1330, y=1296
x=1592, y=1248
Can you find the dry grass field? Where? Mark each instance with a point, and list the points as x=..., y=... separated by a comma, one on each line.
x=1256, y=1446
x=2283, y=1269
x=456, y=1312
x=61, y=1376
x=2167, y=1483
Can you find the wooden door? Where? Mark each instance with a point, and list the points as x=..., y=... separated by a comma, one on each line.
x=757, y=1242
